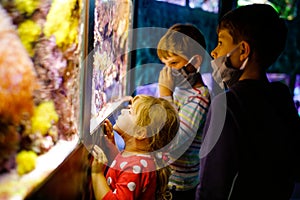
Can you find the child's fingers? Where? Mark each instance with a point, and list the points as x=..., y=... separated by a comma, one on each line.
x=165, y=75
x=107, y=122
x=97, y=149
x=99, y=154
x=108, y=129
x=94, y=154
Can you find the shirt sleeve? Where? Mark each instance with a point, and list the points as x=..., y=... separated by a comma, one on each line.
x=218, y=154
x=192, y=115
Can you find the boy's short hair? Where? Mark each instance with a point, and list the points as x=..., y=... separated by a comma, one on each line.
x=260, y=26
x=184, y=40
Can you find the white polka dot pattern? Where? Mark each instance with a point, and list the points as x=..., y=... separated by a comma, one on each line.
x=109, y=180
x=130, y=170
x=131, y=186
x=137, y=169
x=123, y=164
x=144, y=162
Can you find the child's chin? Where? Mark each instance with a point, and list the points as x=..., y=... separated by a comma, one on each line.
x=118, y=130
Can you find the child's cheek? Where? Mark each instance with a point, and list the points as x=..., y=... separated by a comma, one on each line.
x=126, y=123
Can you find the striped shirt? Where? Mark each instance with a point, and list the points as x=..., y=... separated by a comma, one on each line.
x=192, y=105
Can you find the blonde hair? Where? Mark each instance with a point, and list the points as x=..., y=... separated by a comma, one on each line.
x=162, y=123
x=184, y=40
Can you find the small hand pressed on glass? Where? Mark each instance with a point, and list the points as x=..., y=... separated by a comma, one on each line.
x=99, y=161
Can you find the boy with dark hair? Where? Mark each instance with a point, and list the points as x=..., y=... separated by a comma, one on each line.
x=182, y=50
x=251, y=152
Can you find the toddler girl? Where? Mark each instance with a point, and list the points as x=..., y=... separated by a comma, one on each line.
x=139, y=171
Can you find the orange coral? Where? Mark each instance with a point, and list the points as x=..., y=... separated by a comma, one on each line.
x=17, y=75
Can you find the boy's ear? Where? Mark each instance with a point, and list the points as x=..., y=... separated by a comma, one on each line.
x=245, y=50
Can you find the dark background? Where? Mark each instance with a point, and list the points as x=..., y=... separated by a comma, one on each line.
x=150, y=13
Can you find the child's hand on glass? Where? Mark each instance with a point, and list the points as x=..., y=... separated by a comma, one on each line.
x=99, y=161
x=108, y=131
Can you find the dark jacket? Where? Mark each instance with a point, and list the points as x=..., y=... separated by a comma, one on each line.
x=251, y=144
